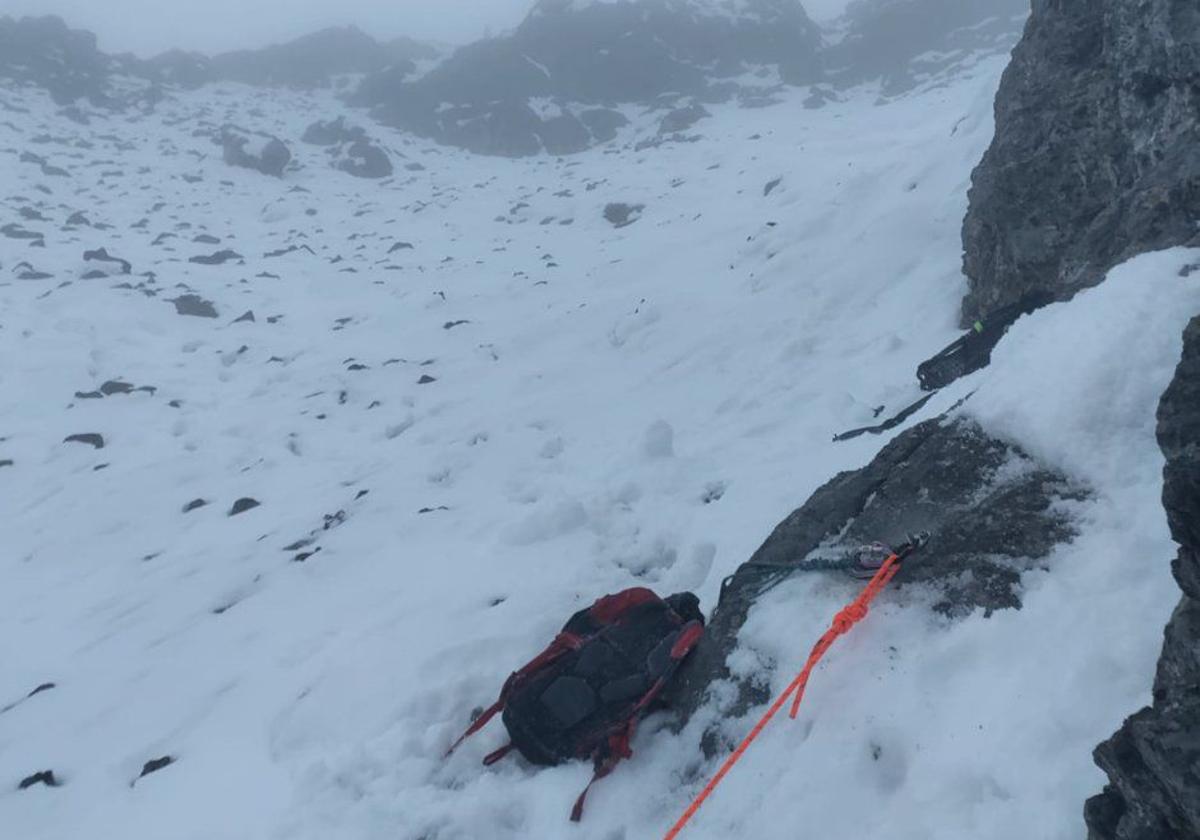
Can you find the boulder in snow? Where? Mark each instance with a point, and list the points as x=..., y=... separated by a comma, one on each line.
x=990, y=508
x=262, y=153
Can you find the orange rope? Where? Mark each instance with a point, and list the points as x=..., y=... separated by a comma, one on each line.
x=853, y=613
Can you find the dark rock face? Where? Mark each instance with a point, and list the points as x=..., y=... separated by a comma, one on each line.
x=45, y=52
x=576, y=54
x=991, y=511
x=1153, y=761
x=901, y=42
x=1095, y=157
x=1179, y=438
x=565, y=134
x=603, y=123
x=265, y=154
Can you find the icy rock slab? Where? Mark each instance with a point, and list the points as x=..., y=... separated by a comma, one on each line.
x=993, y=512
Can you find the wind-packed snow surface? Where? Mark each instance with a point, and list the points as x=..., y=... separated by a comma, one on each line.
x=456, y=445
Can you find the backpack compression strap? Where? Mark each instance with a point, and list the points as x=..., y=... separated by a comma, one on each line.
x=562, y=644
x=617, y=746
x=605, y=611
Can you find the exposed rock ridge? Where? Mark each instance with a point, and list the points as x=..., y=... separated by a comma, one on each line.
x=993, y=512
x=1153, y=761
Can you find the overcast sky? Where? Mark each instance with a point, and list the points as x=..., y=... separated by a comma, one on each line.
x=150, y=26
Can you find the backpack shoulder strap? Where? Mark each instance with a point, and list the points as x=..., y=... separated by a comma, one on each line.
x=563, y=643
x=617, y=745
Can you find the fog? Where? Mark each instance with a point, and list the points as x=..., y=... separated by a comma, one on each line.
x=146, y=27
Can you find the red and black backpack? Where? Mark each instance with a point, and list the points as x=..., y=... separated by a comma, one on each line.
x=581, y=697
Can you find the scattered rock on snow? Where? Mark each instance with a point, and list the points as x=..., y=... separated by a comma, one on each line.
x=243, y=504
x=115, y=386
x=262, y=153
x=619, y=214
x=218, y=258
x=102, y=255
x=154, y=765
x=46, y=686
x=45, y=777
x=194, y=305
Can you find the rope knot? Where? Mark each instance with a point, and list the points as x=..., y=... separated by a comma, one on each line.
x=849, y=616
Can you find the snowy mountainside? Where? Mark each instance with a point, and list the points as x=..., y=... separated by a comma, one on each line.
x=467, y=404
x=758, y=9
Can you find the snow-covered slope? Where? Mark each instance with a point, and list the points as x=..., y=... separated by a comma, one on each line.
x=456, y=444
x=736, y=9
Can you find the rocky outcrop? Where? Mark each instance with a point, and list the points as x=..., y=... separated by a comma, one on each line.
x=491, y=96
x=313, y=61
x=363, y=159
x=350, y=149
x=65, y=62
x=1153, y=761
x=1096, y=156
x=332, y=132
x=262, y=153
x=901, y=43
x=177, y=67
x=44, y=51
x=991, y=510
